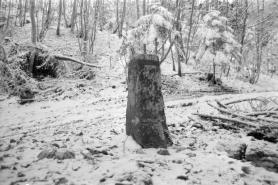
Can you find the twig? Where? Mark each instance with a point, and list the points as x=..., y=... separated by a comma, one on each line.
x=87, y=156
x=227, y=119
x=232, y=113
x=221, y=105
x=261, y=113
x=241, y=100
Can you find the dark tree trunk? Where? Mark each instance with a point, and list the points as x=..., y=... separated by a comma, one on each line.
x=144, y=13
x=59, y=18
x=64, y=13
x=25, y=10
x=32, y=16
x=145, y=116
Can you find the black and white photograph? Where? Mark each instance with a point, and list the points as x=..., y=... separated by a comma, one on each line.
x=138, y=92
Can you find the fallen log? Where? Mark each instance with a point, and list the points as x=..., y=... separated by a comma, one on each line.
x=227, y=119
x=62, y=57
x=232, y=113
x=241, y=100
x=261, y=113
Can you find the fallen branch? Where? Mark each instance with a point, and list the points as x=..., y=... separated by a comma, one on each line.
x=221, y=105
x=241, y=100
x=261, y=113
x=268, y=120
x=232, y=113
x=227, y=119
x=61, y=57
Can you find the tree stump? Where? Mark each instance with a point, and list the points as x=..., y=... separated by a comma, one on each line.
x=145, y=116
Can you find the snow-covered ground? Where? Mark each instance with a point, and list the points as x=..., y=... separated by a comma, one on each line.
x=98, y=122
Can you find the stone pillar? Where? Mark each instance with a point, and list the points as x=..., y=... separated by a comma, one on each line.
x=145, y=116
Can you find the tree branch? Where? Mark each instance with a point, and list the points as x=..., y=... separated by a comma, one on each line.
x=169, y=49
x=61, y=57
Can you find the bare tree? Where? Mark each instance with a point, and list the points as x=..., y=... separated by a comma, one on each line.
x=178, y=39
x=20, y=13
x=59, y=18
x=32, y=16
x=9, y=14
x=47, y=23
x=73, y=15
x=81, y=19
x=138, y=9
x=144, y=13
x=189, y=33
x=64, y=13
x=123, y=19
x=25, y=10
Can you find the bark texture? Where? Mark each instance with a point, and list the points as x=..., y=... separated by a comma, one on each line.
x=145, y=116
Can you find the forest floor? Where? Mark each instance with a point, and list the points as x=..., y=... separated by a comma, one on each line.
x=95, y=119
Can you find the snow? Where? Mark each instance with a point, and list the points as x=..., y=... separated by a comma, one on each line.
x=101, y=120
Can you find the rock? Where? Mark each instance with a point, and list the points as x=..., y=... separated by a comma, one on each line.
x=163, y=152
x=235, y=150
x=246, y=169
x=60, y=181
x=182, y=177
x=263, y=156
x=113, y=86
x=12, y=141
x=20, y=174
x=80, y=134
x=55, y=144
x=59, y=154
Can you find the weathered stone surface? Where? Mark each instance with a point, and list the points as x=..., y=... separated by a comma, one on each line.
x=145, y=116
x=263, y=156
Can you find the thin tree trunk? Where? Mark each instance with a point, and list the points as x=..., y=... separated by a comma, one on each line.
x=25, y=10
x=189, y=34
x=144, y=13
x=244, y=28
x=123, y=19
x=173, y=60
x=9, y=13
x=117, y=15
x=177, y=38
x=138, y=9
x=81, y=19
x=73, y=16
x=33, y=22
x=59, y=19
x=20, y=13
x=64, y=13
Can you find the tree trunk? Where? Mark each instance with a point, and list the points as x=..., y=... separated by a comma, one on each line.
x=189, y=34
x=47, y=23
x=9, y=13
x=64, y=13
x=59, y=18
x=25, y=10
x=123, y=19
x=33, y=22
x=173, y=60
x=244, y=28
x=138, y=9
x=144, y=13
x=177, y=37
x=117, y=15
x=20, y=13
x=73, y=16
x=145, y=116
x=81, y=19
